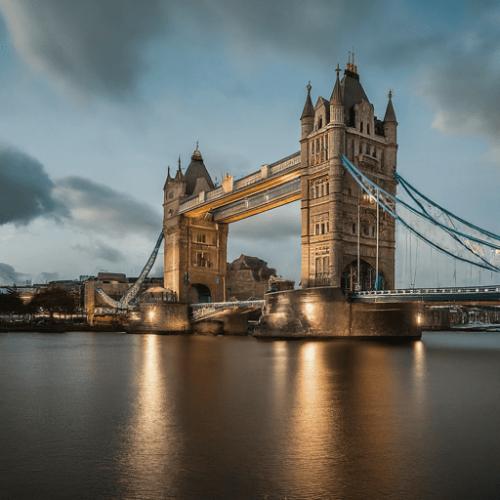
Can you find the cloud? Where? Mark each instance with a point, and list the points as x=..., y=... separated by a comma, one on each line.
x=99, y=209
x=100, y=46
x=99, y=250
x=45, y=277
x=26, y=191
x=9, y=276
x=462, y=87
x=95, y=45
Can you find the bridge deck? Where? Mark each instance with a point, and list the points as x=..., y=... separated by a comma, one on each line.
x=456, y=294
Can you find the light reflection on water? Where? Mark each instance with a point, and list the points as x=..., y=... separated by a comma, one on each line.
x=116, y=416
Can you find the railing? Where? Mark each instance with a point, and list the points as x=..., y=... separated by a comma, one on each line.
x=256, y=200
x=428, y=291
x=274, y=193
x=199, y=311
x=248, y=180
x=290, y=161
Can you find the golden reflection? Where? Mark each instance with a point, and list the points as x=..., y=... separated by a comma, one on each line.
x=313, y=437
x=419, y=374
x=280, y=372
x=149, y=438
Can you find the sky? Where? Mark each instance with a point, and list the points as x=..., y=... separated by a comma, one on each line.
x=97, y=98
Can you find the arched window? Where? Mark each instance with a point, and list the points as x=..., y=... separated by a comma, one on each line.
x=318, y=266
x=327, y=188
x=323, y=228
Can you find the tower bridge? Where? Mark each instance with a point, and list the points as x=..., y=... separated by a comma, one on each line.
x=345, y=176
x=345, y=242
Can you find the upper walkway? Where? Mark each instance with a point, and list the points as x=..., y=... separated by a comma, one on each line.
x=270, y=187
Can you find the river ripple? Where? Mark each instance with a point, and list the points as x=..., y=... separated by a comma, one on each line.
x=90, y=416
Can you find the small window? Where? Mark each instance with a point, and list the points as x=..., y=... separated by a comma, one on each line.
x=327, y=227
x=354, y=229
x=316, y=232
x=368, y=128
x=361, y=127
x=320, y=122
x=327, y=188
x=373, y=231
x=323, y=228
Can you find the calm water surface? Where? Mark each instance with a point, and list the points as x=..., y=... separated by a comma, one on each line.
x=91, y=416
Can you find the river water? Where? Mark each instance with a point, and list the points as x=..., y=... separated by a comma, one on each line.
x=91, y=416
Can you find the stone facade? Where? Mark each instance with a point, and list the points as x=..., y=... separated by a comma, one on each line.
x=331, y=198
x=195, y=249
x=247, y=277
x=335, y=213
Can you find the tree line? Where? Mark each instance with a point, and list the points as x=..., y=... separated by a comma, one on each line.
x=50, y=300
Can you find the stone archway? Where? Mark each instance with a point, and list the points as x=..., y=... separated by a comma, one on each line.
x=199, y=294
x=349, y=280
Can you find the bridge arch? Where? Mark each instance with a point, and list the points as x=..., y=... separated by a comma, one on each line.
x=349, y=278
x=199, y=294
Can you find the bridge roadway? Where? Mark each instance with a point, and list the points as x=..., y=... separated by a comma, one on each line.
x=487, y=295
x=270, y=187
x=211, y=310
x=463, y=295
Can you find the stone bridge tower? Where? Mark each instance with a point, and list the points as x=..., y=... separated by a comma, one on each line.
x=195, y=249
x=335, y=214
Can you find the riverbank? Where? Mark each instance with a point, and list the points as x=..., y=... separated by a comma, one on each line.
x=58, y=328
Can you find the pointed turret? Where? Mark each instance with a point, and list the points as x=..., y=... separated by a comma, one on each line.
x=336, y=102
x=390, y=115
x=179, y=176
x=390, y=125
x=169, y=179
x=307, y=117
x=336, y=97
x=197, y=177
x=308, y=106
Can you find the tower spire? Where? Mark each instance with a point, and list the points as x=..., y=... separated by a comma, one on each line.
x=179, y=175
x=308, y=106
x=169, y=178
x=336, y=97
x=390, y=115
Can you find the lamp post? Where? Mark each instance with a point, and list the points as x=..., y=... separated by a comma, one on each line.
x=367, y=199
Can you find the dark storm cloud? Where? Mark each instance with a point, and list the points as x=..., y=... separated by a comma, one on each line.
x=93, y=45
x=99, y=250
x=26, y=191
x=46, y=277
x=9, y=276
x=100, y=209
x=98, y=45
